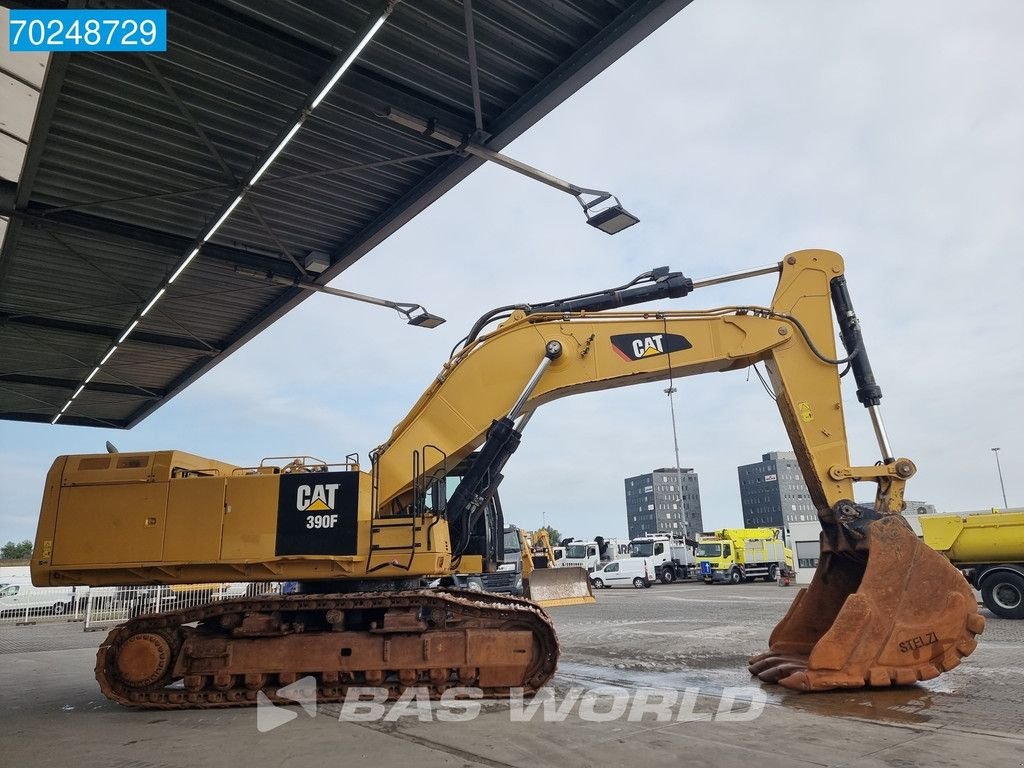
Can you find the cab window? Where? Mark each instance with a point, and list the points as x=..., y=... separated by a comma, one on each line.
x=512, y=541
x=727, y=551
x=611, y=568
x=659, y=548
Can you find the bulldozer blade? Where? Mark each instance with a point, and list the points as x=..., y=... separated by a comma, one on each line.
x=552, y=587
x=890, y=611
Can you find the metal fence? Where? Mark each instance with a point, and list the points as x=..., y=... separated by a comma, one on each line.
x=108, y=606
x=24, y=604
x=101, y=608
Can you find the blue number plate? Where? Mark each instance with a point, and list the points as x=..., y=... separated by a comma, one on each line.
x=70, y=31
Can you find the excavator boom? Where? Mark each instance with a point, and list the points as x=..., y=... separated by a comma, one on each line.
x=882, y=608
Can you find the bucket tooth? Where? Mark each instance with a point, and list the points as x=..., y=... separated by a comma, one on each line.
x=890, y=611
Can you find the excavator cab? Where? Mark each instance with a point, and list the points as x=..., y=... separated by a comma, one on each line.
x=496, y=551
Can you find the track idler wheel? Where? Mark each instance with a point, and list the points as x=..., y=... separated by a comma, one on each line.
x=143, y=659
x=888, y=611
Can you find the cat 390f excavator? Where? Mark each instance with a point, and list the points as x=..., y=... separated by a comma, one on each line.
x=882, y=609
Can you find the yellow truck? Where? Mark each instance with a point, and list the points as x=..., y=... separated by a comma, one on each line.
x=733, y=555
x=989, y=548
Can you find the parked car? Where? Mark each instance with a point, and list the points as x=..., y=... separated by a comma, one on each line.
x=632, y=571
x=23, y=599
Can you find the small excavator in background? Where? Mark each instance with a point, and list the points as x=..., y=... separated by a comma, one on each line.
x=882, y=609
x=547, y=585
x=538, y=549
x=528, y=569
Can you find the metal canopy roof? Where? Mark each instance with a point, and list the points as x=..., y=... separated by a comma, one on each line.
x=132, y=157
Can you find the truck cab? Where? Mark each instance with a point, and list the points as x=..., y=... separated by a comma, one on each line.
x=581, y=554
x=668, y=558
x=508, y=578
x=716, y=562
x=732, y=555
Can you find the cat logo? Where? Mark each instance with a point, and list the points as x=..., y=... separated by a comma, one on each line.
x=637, y=346
x=316, y=498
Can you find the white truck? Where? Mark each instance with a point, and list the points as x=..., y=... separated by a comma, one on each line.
x=668, y=557
x=590, y=555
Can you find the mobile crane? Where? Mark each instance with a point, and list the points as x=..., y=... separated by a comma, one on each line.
x=882, y=609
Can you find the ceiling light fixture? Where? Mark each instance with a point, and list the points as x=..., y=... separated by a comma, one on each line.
x=613, y=219
x=223, y=217
x=415, y=314
x=364, y=36
x=273, y=155
x=185, y=263
x=126, y=333
x=351, y=57
x=152, y=302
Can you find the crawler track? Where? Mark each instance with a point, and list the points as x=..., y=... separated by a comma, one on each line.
x=224, y=654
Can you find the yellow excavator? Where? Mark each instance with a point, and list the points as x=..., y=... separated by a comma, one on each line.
x=547, y=585
x=537, y=550
x=882, y=609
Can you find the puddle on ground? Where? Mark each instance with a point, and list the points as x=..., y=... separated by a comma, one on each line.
x=906, y=705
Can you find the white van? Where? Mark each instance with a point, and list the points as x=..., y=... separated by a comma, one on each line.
x=631, y=571
x=23, y=599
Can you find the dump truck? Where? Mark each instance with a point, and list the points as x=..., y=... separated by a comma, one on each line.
x=989, y=548
x=732, y=555
x=362, y=540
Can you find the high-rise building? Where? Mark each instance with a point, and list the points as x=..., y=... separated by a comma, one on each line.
x=659, y=500
x=773, y=492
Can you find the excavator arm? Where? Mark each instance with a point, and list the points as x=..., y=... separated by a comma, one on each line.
x=882, y=609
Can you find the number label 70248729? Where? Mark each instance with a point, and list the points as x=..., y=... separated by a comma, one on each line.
x=88, y=30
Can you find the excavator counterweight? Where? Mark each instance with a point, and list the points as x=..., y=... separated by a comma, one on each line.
x=882, y=608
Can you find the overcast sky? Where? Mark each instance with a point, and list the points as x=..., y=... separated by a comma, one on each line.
x=738, y=132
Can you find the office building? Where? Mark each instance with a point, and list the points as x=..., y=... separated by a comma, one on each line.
x=662, y=501
x=773, y=492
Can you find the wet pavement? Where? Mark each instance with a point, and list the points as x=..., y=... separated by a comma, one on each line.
x=684, y=635
x=675, y=637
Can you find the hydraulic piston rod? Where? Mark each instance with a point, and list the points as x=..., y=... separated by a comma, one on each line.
x=551, y=352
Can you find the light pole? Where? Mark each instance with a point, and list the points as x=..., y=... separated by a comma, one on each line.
x=1000, y=469
x=679, y=471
